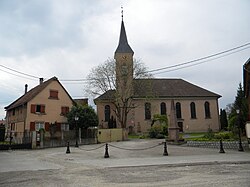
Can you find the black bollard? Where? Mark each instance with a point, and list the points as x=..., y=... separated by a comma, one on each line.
x=221, y=147
x=165, y=153
x=106, y=155
x=240, y=146
x=68, y=150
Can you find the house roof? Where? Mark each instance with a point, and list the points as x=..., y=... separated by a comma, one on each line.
x=123, y=46
x=83, y=101
x=32, y=93
x=163, y=88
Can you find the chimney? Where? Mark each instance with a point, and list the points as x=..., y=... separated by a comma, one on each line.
x=41, y=80
x=26, y=88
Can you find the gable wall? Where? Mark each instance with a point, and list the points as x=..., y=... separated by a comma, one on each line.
x=52, y=106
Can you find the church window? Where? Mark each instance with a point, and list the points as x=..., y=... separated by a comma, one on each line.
x=193, y=110
x=107, y=113
x=147, y=111
x=178, y=110
x=207, y=110
x=163, y=109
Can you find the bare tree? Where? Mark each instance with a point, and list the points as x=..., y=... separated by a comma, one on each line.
x=103, y=78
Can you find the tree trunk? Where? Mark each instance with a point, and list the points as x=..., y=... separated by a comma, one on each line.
x=124, y=134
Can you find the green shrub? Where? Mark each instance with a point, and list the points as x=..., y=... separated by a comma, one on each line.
x=158, y=130
x=160, y=136
x=209, y=135
x=142, y=136
x=225, y=135
x=155, y=130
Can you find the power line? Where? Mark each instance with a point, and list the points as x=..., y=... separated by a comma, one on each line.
x=232, y=50
x=19, y=72
x=191, y=65
x=15, y=74
x=199, y=59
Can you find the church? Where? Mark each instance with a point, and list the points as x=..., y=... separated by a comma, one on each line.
x=135, y=101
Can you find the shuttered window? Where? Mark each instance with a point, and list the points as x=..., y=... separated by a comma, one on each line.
x=37, y=109
x=53, y=94
x=64, y=110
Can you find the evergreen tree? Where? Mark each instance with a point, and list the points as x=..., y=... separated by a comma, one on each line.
x=240, y=104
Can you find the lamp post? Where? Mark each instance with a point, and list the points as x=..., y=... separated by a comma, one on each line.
x=238, y=121
x=76, y=119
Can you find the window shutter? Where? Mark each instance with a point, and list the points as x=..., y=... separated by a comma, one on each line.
x=42, y=108
x=53, y=94
x=46, y=126
x=62, y=110
x=66, y=110
x=33, y=109
x=58, y=126
x=32, y=126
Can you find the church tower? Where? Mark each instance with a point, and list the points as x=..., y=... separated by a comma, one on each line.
x=124, y=64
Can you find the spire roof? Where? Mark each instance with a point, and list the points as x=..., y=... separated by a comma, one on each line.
x=123, y=46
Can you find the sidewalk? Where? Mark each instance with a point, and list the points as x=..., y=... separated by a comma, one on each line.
x=92, y=156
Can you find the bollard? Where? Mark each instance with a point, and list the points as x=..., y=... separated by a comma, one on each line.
x=221, y=147
x=165, y=153
x=106, y=155
x=68, y=150
x=240, y=146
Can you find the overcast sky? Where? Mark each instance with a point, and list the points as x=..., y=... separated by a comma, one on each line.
x=64, y=38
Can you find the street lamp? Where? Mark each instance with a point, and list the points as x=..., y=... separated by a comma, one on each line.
x=238, y=121
x=76, y=119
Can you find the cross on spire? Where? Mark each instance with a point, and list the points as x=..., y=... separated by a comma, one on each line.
x=122, y=12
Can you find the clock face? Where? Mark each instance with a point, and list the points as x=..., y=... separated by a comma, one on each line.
x=124, y=57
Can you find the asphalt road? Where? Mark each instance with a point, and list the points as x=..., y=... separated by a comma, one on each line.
x=229, y=175
x=185, y=166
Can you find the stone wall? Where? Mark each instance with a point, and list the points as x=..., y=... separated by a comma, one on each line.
x=216, y=145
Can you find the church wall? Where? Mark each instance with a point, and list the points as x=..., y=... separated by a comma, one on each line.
x=101, y=113
x=137, y=120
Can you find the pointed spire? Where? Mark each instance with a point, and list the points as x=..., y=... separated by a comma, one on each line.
x=123, y=46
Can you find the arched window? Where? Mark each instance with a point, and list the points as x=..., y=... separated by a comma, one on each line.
x=193, y=110
x=178, y=110
x=207, y=110
x=147, y=111
x=163, y=109
x=107, y=113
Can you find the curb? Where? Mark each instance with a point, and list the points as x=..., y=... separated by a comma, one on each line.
x=186, y=164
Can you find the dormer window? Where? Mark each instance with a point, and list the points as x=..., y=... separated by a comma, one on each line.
x=53, y=94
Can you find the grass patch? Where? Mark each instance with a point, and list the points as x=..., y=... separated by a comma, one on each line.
x=133, y=136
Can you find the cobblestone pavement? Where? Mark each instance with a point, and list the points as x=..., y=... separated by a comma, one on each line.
x=185, y=166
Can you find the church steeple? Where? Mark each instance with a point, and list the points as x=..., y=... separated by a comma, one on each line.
x=123, y=46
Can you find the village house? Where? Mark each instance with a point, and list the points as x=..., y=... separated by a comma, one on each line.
x=46, y=104
x=196, y=108
x=246, y=83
